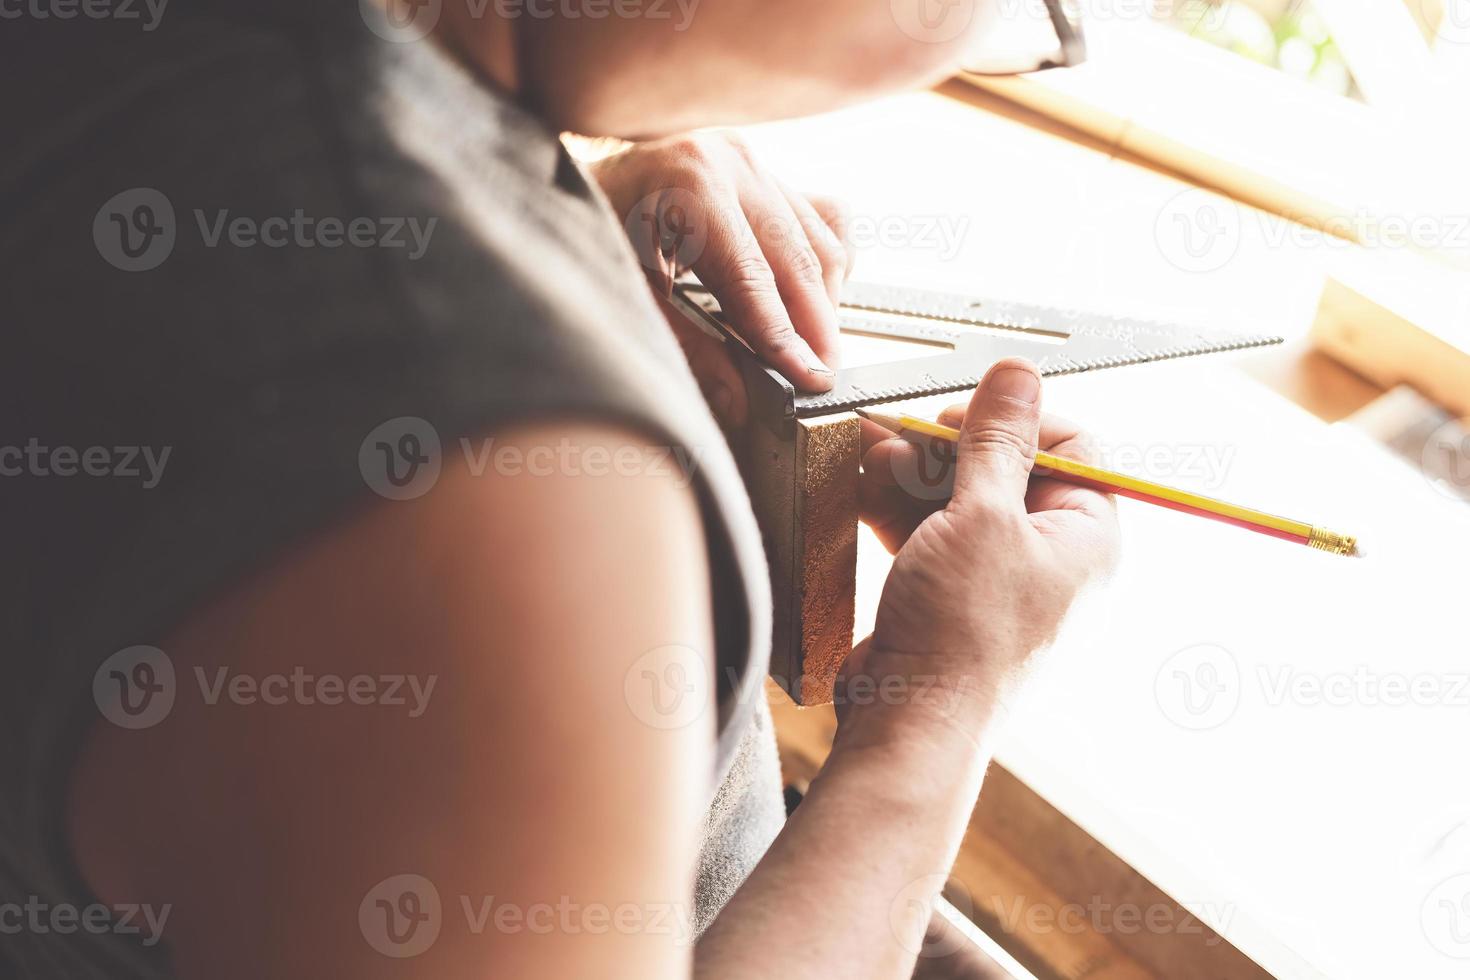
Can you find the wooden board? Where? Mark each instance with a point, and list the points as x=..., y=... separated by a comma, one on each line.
x=802, y=476
x=1405, y=322
x=1063, y=905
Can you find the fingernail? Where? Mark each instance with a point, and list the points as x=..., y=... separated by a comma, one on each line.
x=812, y=361
x=1017, y=383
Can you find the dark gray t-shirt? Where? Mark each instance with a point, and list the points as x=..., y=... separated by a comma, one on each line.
x=260, y=272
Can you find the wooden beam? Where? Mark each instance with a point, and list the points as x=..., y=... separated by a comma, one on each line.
x=802, y=475
x=1053, y=897
x=1400, y=321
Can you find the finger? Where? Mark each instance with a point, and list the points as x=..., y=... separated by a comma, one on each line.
x=830, y=250
x=887, y=499
x=891, y=514
x=922, y=470
x=713, y=366
x=734, y=269
x=1062, y=438
x=870, y=433
x=1055, y=433
x=785, y=239
x=838, y=217
x=997, y=443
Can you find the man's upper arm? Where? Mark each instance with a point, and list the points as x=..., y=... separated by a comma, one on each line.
x=522, y=802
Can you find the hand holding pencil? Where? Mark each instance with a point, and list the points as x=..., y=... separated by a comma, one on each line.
x=983, y=576
x=1084, y=474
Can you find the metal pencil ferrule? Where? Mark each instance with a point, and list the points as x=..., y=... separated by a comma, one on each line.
x=1330, y=541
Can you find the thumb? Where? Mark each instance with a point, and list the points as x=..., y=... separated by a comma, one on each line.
x=998, y=439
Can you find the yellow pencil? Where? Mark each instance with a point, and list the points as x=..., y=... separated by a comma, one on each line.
x=1083, y=474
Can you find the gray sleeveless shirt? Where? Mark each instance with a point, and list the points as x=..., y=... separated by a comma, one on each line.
x=244, y=257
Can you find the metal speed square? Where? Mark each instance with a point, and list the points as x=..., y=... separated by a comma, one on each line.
x=799, y=452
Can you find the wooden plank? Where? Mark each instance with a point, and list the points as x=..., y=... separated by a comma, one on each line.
x=827, y=530
x=1403, y=322
x=1063, y=905
x=802, y=476
x=1093, y=884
